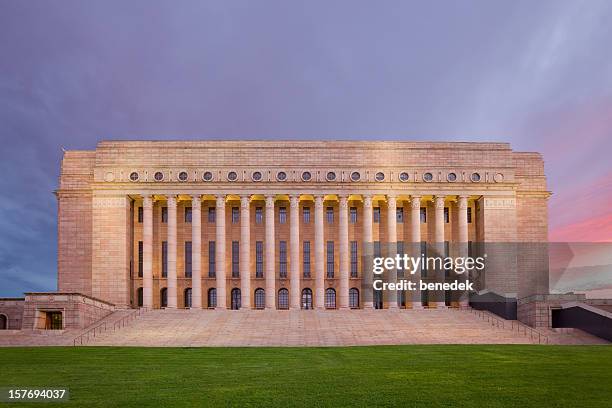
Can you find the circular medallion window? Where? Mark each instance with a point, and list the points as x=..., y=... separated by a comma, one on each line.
x=475, y=177
x=256, y=176
x=498, y=178
x=451, y=177
x=355, y=176
x=427, y=176
x=207, y=176
x=134, y=176
x=158, y=176
x=281, y=176
x=182, y=176
x=306, y=176
x=331, y=176
x=232, y=176
x=404, y=176
x=380, y=176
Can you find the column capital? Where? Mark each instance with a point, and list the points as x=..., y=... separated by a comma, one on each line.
x=196, y=201
x=391, y=199
x=343, y=200
x=294, y=200
x=415, y=202
x=147, y=201
x=220, y=198
x=439, y=201
x=171, y=200
x=269, y=201
x=245, y=200
x=462, y=201
x=367, y=201
x=318, y=199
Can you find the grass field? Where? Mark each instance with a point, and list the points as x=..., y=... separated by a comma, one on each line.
x=454, y=376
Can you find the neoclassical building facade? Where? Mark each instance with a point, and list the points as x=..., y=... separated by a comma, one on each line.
x=285, y=224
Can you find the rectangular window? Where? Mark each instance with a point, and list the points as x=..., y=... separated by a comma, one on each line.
x=424, y=255
x=423, y=215
x=212, y=269
x=235, y=215
x=306, y=255
x=259, y=259
x=446, y=254
x=354, y=259
x=140, y=214
x=470, y=249
x=330, y=215
x=188, y=259
x=282, y=215
x=282, y=257
x=330, y=259
x=212, y=214
x=469, y=215
x=164, y=214
x=399, y=215
x=235, y=259
x=376, y=214
x=306, y=214
x=164, y=258
x=446, y=215
x=258, y=215
x=140, y=258
x=353, y=217
x=188, y=214
x=400, y=248
x=377, y=251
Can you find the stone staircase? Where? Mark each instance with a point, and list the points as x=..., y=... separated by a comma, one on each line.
x=185, y=328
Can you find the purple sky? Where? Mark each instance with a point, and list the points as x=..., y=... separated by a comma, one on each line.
x=535, y=74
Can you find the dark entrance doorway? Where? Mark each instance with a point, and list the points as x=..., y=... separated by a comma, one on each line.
x=53, y=321
x=235, y=299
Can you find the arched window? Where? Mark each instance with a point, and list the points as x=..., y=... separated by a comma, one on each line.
x=188, y=297
x=139, y=296
x=260, y=298
x=306, y=298
x=164, y=297
x=283, y=299
x=354, y=298
x=235, y=299
x=212, y=297
x=378, y=299
x=330, y=298
x=3, y=322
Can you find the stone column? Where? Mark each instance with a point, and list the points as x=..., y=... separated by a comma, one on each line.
x=367, y=252
x=220, y=251
x=462, y=205
x=294, y=252
x=344, y=253
x=147, y=252
x=270, y=254
x=245, y=252
x=439, y=244
x=196, y=252
x=415, y=238
x=171, y=251
x=319, y=253
x=392, y=247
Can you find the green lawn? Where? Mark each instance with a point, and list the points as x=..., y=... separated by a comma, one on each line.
x=482, y=376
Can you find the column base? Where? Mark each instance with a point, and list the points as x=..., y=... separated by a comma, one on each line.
x=417, y=306
x=368, y=305
x=441, y=305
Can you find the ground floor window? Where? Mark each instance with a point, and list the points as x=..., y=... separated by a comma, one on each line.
x=163, y=297
x=283, y=299
x=53, y=321
x=212, y=297
x=378, y=299
x=260, y=298
x=235, y=299
x=139, y=296
x=307, y=298
x=424, y=298
x=354, y=298
x=330, y=298
x=188, y=297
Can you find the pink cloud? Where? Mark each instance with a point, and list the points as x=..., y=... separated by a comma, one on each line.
x=595, y=229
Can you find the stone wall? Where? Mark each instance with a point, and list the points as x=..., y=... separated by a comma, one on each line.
x=12, y=308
